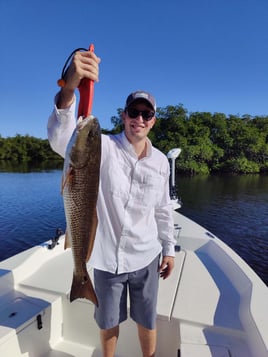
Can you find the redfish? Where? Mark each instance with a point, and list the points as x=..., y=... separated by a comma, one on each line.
x=80, y=192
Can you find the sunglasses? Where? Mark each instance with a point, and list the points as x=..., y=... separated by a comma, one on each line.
x=146, y=114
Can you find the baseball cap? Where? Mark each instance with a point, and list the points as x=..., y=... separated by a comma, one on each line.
x=138, y=95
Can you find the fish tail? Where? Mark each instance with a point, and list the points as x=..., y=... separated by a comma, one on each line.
x=83, y=289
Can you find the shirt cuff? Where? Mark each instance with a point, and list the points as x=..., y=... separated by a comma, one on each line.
x=64, y=114
x=168, y=250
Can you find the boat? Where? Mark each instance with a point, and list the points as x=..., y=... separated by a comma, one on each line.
x=213, y=304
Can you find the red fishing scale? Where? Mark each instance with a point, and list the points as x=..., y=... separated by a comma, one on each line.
x=86, y=87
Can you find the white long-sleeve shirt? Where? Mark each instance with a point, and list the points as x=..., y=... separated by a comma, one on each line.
x=134, y=209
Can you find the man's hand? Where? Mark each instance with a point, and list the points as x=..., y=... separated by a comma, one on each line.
x=83, y=65
x=166, y=267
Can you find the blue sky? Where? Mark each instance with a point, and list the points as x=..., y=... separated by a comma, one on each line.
x=209, y=55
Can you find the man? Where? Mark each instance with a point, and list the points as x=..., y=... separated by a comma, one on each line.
x=134, y=211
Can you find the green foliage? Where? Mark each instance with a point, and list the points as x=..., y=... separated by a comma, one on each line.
x=210, y=143
x=240, y=165
x=26, y=149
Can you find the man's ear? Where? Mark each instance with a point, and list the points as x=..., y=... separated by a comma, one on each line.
x=152, y=122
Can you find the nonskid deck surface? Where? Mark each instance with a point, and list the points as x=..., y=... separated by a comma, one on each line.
x=70, y=349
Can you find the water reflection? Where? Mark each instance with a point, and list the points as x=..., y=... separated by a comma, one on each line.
x=203, y=189
x=23, y=167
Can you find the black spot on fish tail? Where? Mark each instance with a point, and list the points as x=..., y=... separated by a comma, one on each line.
x=83, y=289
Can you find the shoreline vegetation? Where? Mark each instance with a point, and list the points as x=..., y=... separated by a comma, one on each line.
x=210, y=143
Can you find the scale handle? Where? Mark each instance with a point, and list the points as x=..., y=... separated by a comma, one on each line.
x=86, y=90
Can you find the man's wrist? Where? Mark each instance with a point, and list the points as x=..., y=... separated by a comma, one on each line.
x=65, y=98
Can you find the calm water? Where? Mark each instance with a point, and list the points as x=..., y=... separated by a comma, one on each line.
x=236, y=210
x=233, y=208
x=31, y=209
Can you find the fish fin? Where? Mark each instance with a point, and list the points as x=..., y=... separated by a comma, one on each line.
x=66, y=178
x=67, y=241
x=83, y=289
x=92, y=234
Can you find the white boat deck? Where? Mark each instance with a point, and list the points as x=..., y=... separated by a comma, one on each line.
x=208, y=307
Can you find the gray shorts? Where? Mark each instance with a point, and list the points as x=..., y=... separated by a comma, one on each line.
x=112, y=289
